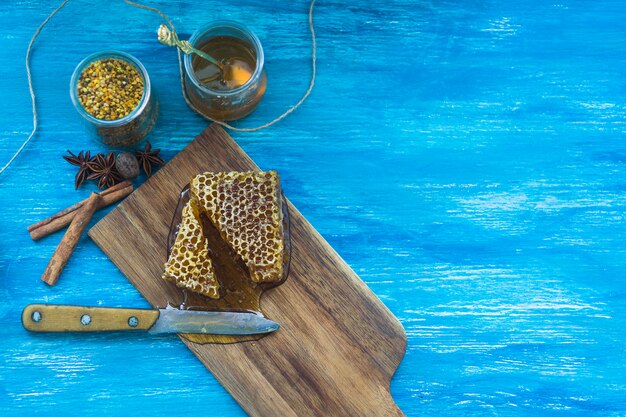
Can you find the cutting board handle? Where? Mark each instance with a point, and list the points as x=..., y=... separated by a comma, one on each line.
x=64, y=318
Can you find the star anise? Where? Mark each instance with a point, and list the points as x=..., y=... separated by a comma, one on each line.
x=103, y=169
x=82, y=161
x=148, y=157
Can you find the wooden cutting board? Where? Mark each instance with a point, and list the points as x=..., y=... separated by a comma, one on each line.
x=338, y=346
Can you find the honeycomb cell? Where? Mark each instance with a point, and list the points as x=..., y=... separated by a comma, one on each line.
x=246, y=207
x=189, y=265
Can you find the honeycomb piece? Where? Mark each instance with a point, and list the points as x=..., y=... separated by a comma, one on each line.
x=246, y=207
x=189, y=265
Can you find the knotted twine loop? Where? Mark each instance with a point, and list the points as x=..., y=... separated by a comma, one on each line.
x=172, y=31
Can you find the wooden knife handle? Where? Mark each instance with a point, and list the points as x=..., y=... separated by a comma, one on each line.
x=63, y=318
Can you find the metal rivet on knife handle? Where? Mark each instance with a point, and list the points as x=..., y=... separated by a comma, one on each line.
x=133, y=321
x=36, y=316
x=85, y=319
x=64, y=318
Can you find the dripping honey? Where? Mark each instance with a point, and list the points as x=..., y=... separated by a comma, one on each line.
x=237, y=291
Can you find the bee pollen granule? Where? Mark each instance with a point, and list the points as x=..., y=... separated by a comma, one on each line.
x=110, y=89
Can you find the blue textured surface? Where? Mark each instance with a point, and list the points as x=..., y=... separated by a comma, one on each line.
x=465, y=158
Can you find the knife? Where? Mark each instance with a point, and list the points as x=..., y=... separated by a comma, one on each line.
x=65, y=318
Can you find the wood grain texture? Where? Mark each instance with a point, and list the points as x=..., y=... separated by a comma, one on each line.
x=62, y=318
x=338, y=345
x=465, y=158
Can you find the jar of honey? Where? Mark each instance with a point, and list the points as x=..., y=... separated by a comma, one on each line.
x=233, y=89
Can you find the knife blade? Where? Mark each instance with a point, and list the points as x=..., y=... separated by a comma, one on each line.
x=65, y=318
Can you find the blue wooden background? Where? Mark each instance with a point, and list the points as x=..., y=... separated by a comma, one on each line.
x=466, y=158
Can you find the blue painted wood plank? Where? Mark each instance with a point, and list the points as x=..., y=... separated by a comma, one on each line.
x=465, y=158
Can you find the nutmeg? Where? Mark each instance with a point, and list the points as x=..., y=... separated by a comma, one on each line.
x=127, y=165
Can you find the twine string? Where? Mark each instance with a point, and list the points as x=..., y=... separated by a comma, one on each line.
x=182, y=77
x=170, y=38
x=222, y=123
x=30, y=86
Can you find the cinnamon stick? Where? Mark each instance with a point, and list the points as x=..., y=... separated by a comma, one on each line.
x=64, y=217
x=70, y=240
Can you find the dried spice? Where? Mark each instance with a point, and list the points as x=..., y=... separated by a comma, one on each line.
x=103, y=169
x=127, y=165
x=148, y=157
x=70, y=239
x=110, y=89
x=109, y=169
x=82, y=161
x=64, y=217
